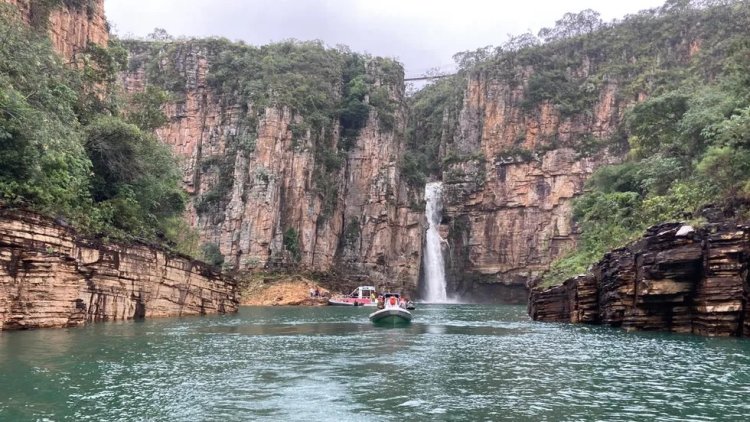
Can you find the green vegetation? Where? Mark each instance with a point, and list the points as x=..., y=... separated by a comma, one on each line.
x=41, y=159
x=291, y=244
x=211, y=253
x=145, y=108
x=689, y=144
x=433, y=119
x=666, y=52
x=41, y=9
x=69, y=149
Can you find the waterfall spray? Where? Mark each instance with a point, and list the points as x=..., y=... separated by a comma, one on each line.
x=434, y=266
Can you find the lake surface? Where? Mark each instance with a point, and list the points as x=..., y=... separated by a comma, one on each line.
x=455, y=362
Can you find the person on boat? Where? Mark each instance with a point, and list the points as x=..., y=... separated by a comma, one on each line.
x=381, y=302
x=373, y=297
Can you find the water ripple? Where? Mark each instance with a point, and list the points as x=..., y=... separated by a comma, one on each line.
x=453, y=363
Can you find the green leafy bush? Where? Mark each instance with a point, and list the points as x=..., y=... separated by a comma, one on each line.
x=211, y=253
x=291, y=244
x=42, y=160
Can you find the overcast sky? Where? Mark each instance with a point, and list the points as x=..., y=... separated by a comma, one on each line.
x=422, y=34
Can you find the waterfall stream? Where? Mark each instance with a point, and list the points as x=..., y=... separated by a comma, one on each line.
x=434, y=266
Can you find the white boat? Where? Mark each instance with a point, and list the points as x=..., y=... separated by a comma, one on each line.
x=361, y=296
x=392, y=313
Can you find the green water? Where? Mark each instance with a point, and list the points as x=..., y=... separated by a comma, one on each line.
x=453, y=363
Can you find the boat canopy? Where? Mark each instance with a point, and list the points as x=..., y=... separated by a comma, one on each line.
x=362, y=292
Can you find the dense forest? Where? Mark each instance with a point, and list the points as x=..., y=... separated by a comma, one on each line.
x=685, y=137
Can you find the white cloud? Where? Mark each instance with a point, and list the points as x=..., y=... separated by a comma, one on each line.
x=421, y=33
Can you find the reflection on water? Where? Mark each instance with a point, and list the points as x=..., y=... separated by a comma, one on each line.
x=453, y=362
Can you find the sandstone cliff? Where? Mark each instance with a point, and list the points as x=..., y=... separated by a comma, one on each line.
x=529, y=129
x=253, y=177
x=674, y=279
x=51, y=277
x=71, y=25
x=520, y=133
x=508, y=214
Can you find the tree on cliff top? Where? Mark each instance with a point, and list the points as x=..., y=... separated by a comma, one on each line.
x=573, y=25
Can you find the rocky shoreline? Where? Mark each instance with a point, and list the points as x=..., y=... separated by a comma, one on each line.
x=282, y=290
x=676, y=278
x=52, y=277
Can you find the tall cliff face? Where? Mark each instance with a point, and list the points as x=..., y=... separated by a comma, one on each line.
x=72, y=25
x=525, y=132
x=254, y=175
x=509, y=213
x=518, y=131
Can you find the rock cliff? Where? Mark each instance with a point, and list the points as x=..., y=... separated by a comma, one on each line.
x=523, y=127
x=71, y=25
x=508, y=214
x=529, y=128
x=51, y=277
x=254, y=178
x=508, y=195
x=674, y=279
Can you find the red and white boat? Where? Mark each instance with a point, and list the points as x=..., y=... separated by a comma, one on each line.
x=361, y=296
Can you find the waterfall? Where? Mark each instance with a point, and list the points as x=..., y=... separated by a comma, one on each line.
x=434, y=267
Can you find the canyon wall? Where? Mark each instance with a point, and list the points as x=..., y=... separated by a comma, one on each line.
x=676, y=278
x=527, y=128
x=511, y=166
x=265, y=185
x=71, y=26
x=51, y=277
x=509, y=213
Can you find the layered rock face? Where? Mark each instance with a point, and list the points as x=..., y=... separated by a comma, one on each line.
x=50, y=277
x=368, y=232
x=509, y=215
x=674, y=279
x=71, y=28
